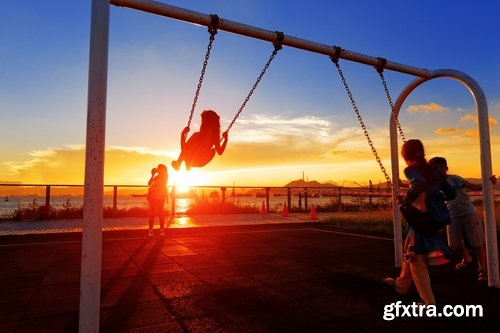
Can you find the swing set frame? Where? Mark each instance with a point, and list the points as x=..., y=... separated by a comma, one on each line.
x=95, y=136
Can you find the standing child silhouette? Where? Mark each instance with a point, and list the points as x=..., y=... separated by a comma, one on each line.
x=201, y=146
x=157, y=194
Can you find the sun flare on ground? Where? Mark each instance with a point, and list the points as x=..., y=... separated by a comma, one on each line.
x=183, y=180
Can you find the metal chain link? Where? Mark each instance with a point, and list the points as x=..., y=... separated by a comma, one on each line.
x=202, y=75
x=363, y=127
x=277, y=47
x=253, y=89
x=389, y=99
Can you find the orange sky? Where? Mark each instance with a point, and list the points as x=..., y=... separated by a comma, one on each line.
x=272, y=156
x=298, y=122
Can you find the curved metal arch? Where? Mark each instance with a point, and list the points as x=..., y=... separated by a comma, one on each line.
x=486, y=166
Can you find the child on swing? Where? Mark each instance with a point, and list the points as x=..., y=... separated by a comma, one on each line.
x=201, y=146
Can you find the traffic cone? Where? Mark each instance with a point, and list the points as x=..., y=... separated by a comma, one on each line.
x=285, y=211
x=313, y=215
x=263, y=210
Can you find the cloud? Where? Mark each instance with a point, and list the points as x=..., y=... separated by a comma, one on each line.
x=277, y=140
x=278, y=129
x=260, y=142
x=472, y=133
x=471, y=117
x=66, y=165
x=447, y=131
x=432, y=107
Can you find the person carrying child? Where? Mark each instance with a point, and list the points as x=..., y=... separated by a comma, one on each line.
x=422, y=249
x=201, y=146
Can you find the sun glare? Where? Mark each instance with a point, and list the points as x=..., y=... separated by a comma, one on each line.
x=184, y=180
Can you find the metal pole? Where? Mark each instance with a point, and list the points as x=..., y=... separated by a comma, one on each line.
x=90, y=280
x=182, y=14
x=485, y=159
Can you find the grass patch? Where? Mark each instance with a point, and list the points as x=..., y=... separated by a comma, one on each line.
x=377, y=221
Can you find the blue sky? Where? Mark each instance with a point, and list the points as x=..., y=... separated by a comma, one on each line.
x=299, y=119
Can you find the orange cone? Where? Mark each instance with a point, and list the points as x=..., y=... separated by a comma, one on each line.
x=263, y=210
x=285, y=211
x=313, y=215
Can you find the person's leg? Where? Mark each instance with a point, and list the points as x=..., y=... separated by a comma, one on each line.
x=177, y=164
x=455, y=241
x=161, y=204
x=404, y=281
x=466, y=258
x=481, y=262
x=151, y=214
x=475, y=233
x=422, y=280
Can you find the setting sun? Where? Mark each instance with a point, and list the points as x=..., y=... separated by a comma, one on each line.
x=183, y=179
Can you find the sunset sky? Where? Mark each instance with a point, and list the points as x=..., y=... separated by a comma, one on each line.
x=298, y=122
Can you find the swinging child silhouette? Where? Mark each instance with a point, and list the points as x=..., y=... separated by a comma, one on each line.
x=201, y=146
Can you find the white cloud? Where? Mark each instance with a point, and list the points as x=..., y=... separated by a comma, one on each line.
x=431, y=107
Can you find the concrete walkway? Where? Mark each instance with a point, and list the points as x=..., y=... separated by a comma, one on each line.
x=259, y=277
x=138, y=223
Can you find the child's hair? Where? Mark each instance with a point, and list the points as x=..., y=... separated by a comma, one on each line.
x=162, y=168
x=210, y=124
x=438, y=160
x=413, y=150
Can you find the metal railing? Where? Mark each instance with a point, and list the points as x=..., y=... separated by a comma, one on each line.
x=272, y=198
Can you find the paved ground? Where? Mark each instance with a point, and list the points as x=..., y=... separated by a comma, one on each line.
x=139, y=223
x=276, y=277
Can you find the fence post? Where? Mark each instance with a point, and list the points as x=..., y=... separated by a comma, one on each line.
x=340, y=199
x=305, y=199
x=115, y=199
x=223, y=190
x=47, y=196
x=289, y=197
x=267, y=198
x=172, y=194
x=370, y=189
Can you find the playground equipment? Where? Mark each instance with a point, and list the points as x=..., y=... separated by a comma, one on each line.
x=95, y=137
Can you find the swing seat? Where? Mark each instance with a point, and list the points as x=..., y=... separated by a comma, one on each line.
x=195, y=156
x=202, y=157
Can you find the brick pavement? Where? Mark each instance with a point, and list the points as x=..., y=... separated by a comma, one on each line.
x=275, y=277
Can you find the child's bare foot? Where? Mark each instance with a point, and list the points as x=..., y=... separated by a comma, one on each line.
x=176, y=165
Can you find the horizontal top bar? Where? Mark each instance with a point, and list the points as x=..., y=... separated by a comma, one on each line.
x=162, y=9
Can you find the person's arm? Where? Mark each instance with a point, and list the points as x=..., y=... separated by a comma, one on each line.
x=153, y=172
x=220, y=149
x=478, y=187
x=418, y=184
x=184, y=133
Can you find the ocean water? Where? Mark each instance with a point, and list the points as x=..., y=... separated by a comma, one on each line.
x=9, y=204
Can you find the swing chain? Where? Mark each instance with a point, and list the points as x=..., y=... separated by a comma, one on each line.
x=277, y=43
x=335, y=60
x=380, y=70
x=212, y=29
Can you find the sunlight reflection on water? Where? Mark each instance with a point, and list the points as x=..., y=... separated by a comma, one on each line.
x=182, y=222
x=181, y=205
